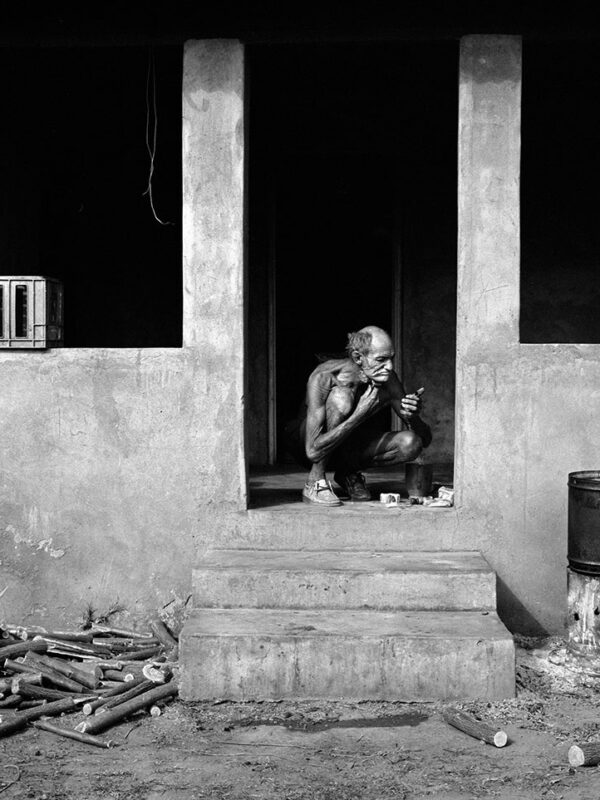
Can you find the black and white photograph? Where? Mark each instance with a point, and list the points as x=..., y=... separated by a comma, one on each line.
x=299, y=401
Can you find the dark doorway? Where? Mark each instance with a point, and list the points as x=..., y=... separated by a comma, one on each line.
x=352, y=212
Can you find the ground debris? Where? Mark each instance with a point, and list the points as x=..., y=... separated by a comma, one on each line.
x=106, y=673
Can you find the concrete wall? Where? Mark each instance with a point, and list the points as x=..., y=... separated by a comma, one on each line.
x=116, y=465
x=525, y=413
x=108, y=458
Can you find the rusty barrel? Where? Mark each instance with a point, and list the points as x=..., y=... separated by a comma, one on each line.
x=584, y=522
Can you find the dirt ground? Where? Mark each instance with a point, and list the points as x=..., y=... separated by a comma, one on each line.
x=329, y=751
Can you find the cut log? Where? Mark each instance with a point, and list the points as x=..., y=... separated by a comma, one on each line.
x=69, y=733
x=584, y=755
x=87, y=679
x=21, y=718
x=115, y=715
x=157, y=674
x=11, y=702
x=118, y=675
x=68, y=636
x=122, y=688
x=70, y=648
x=160, y=630
x=11, y=651
x=41, y=692
x=31, y=678
x=140, y=655
x=19, y=666
x=475, y=727
x=106, y=629
x=112, y=702
x=119, y=644
x=54, y=677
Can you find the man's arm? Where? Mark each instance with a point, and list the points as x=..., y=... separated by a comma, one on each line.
x=320, y=442
x=407, y=407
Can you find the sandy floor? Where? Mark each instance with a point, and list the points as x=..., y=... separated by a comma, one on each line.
x=328, y=751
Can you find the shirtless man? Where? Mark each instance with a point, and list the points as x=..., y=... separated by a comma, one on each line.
x=333, y=430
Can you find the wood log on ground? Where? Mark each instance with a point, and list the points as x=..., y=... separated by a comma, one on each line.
x=584, y=755
x=52, y=676
x=475, y=727
x=31, y=631
x=31, y=678
x=160, y=630
x=118, y=675
x=69, y=733
x=41, y=692
x=21, y=718
x=122, y=688
x=12, y=651
x=19, y=666
x=112, y=702
x=141, y=655
x=71, y=648
x=87, y=679
x=109, y=631
x=103, y=721
x=119, y=644
x=5, y=685
x=11, y=702
x=156, y=674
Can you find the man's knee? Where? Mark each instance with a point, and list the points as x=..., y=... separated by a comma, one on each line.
x=408, y=444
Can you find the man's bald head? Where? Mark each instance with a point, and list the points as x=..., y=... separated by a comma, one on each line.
x=366, y=338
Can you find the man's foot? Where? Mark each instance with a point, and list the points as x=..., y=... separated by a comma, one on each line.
x=320, y=493
x=355, y=486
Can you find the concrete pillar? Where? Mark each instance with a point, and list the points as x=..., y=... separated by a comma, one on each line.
x=488, y=231
x=213, y=260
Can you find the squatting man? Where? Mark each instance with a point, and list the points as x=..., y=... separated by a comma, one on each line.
x=335, y=430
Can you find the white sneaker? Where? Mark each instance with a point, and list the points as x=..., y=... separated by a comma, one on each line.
x=320, y=493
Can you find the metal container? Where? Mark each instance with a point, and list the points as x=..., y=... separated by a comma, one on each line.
x=418, y=479
x=584, y=522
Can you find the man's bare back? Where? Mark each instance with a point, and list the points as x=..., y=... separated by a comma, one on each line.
x=341, y=395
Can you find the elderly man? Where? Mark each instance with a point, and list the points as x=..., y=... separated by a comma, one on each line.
x=333, y=430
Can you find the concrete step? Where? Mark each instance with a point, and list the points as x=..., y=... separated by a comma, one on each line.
x=260, y=654
x=454, y=580
x=351, y=526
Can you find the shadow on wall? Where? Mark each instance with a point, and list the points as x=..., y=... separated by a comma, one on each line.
x=513, y=613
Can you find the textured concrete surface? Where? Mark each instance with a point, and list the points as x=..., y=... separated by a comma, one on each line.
x=344, y=579
x=108, y=455
x=525, y=415
x=339, y=528
x=117, y=466
x=249, y=654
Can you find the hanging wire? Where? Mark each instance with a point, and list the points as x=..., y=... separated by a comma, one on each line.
x=151, y=110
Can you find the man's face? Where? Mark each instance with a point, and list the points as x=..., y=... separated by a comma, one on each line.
x=377, y=364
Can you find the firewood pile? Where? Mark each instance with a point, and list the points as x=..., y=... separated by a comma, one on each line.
x=103, y=675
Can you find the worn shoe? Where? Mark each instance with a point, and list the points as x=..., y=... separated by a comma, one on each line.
x=355, y=486
x=320, y=493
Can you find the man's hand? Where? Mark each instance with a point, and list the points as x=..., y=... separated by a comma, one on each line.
x=411, y=404
x=367, y=401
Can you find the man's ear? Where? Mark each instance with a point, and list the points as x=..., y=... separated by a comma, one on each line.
x=357, y=357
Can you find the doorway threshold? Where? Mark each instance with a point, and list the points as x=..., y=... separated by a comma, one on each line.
x=280, y=488
x=277, y=519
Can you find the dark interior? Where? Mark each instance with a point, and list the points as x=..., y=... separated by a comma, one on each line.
x=75, y=166
x=560, y=169
x=353, y=179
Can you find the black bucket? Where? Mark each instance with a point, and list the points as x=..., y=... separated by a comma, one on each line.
x=584, y=522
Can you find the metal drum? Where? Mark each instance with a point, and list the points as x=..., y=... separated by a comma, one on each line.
x=584, y=522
